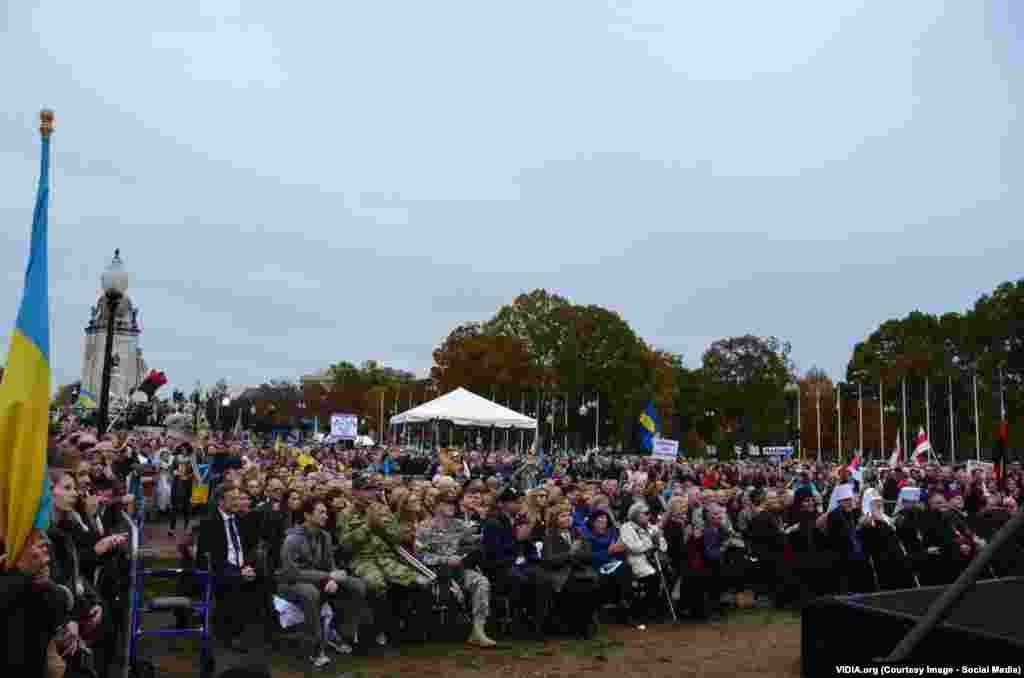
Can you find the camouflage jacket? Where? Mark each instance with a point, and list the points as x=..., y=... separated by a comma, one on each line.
x=373, y=550
x=443, y=541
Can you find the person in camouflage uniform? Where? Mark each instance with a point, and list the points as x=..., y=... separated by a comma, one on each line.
x=444, y=543
x=370, y=534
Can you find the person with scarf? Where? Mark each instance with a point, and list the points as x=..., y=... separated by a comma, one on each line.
x=607, y=553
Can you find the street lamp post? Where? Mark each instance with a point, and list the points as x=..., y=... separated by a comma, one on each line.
x=225, y=402
x=594, y=405
x=115, y=283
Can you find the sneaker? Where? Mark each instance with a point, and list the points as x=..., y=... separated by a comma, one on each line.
x=321, y=660
x=338, y=644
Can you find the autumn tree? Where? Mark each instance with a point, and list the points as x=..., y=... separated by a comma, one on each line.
x=67, y=394
x=482, y=363
x=745, y=379
x=534, y=319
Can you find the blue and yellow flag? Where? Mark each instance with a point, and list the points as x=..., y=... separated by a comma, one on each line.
x=650, y=426
x=86, y=399
x=25, y=391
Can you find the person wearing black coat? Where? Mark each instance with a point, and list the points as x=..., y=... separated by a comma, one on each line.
x=566, y=564
x=84, y=604
x=892, y=567
x=947, y=549
x=767, y=545
x=502, y=554
x=233, y=567
x=32, y=611
x=852, y=570
x=809, y=559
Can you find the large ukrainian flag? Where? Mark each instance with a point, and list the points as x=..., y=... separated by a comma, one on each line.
x=25, y=391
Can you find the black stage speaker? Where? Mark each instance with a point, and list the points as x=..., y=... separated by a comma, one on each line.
x=983, y=629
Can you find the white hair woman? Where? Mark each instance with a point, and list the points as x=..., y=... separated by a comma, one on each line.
x=643, y=542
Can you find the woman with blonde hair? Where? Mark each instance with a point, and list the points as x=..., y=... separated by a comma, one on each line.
x=411, y=516
x=567, y=573
x=536, y=512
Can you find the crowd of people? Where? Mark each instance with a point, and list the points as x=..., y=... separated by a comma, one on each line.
x=373, y=548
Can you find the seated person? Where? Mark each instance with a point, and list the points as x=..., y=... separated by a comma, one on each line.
x=33, y=612
x=567, y=565
x=644, y=542
x=370, y=533
x=308, y=574
x=444, y=544
x=615, y=578
x=232, y=564
x=84, y=606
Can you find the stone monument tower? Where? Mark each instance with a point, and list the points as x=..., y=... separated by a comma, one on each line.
x=128, y=369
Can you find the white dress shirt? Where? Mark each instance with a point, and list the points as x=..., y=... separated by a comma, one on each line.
x=235, y=555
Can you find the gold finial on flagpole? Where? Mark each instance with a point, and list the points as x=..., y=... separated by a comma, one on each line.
x=45, y=122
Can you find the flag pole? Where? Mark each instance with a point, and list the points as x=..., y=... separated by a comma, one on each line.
x=860, y=416
x=952, y=435
x=928, y=408
x=1002, y=393
x=25, y=503
x=799, y=427
x=977, y=420
x=839, y=420
x=881, y=417
x=817, y=407
x=904, y=443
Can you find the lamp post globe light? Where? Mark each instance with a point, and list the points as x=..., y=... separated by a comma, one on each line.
x=115, y=284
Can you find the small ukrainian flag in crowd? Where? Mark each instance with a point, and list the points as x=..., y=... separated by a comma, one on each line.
x=86, y=399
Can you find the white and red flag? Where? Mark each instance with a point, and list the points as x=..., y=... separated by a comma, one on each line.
x=922, y=448
x=897, y=453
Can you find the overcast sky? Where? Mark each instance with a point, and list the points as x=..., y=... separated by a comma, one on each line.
x=294, y=184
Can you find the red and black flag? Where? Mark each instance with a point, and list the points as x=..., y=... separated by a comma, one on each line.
x=999, y=455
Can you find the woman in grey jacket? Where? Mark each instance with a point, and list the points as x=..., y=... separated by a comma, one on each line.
x=310, y=578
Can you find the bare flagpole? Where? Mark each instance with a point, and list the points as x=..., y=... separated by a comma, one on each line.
x=881, y=417
x=977, y=421
x=928, y=407
x=817, y=407
x=903, y=443
x=952, y=435
x=860, y=416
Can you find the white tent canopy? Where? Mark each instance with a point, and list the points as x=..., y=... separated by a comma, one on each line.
x=464, y=408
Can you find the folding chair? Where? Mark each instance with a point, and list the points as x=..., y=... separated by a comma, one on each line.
x=140, y=605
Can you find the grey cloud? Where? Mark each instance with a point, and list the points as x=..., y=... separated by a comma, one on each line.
x=323, y=195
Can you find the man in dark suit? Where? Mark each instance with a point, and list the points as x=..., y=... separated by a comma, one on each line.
x=232, y=561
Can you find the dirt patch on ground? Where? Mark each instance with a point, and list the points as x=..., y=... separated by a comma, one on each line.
x=752, y=643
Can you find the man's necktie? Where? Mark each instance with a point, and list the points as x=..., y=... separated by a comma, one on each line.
x=236, y=542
